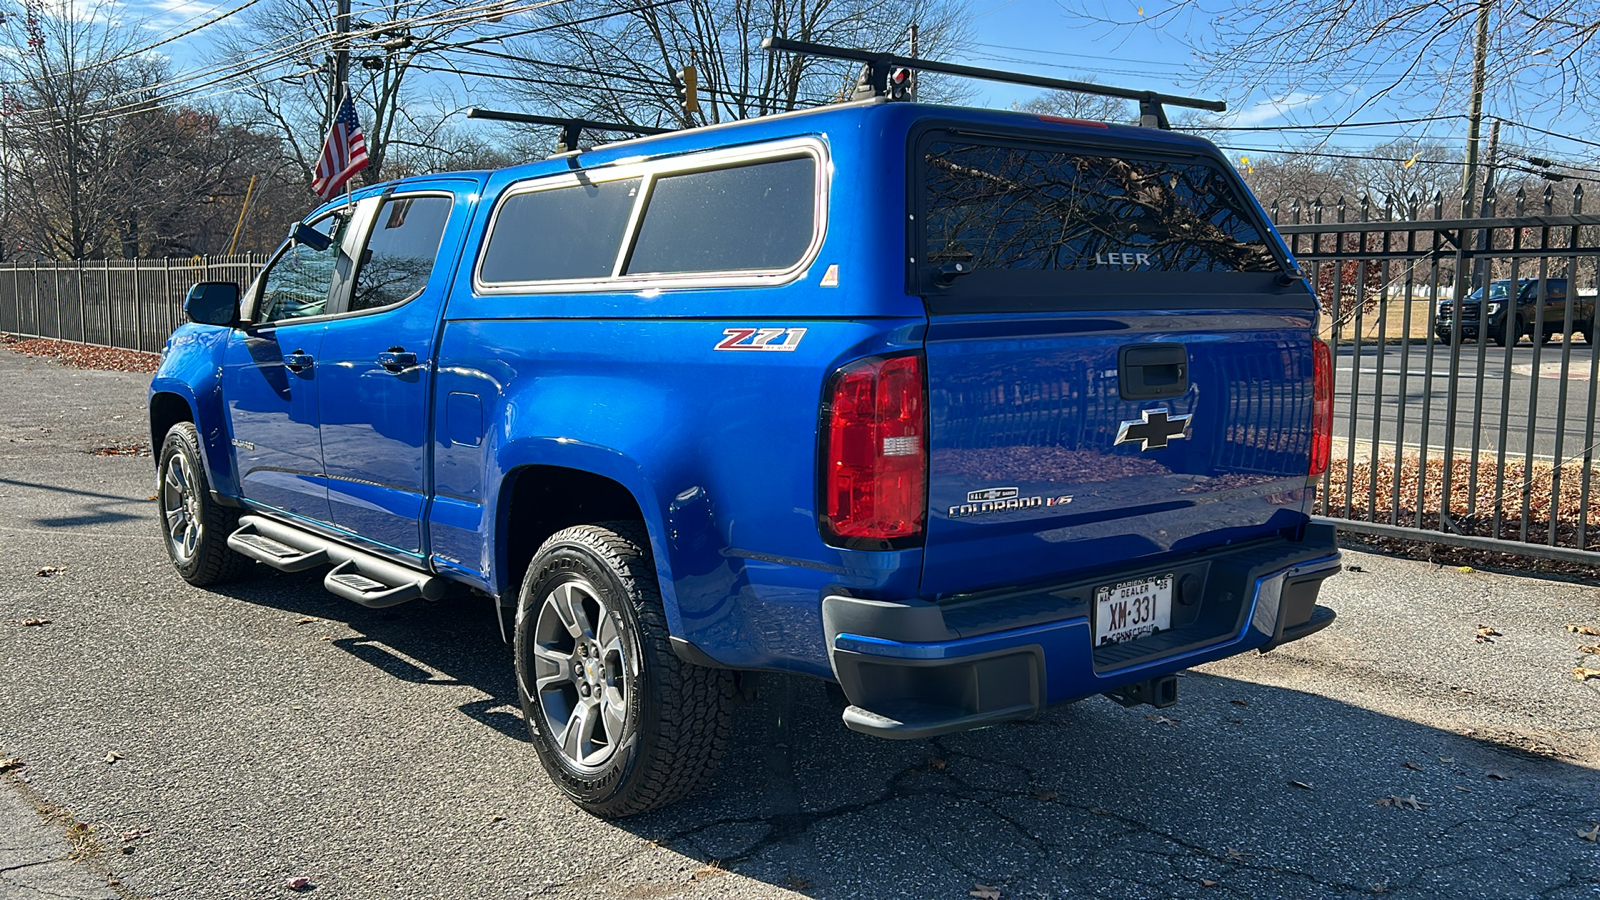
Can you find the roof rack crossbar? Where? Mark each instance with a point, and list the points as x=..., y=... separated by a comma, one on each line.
x=571, y=128
x=878, y=66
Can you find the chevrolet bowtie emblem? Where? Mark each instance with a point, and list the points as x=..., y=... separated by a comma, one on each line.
x=1154, y=429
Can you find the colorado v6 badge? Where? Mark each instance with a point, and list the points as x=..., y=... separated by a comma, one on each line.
x=994, y=500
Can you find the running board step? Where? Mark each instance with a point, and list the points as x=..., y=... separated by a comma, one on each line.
x=357, y=575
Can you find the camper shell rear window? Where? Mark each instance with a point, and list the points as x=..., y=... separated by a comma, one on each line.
x=1015, y=213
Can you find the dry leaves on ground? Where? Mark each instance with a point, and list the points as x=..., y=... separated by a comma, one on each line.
x=1162, y=720
x=10, y=762
x=83, y=356
x=1304, y=786
x=298, y=883
x=1412, y=766
x=1584, y=629
x=33, y=620
x=1497, y=776
x=1398, y=802
x=113, y=756
x=984, y=892
x=1485, y=632
x=711, y=869
x=1584, y=674
x=1592, y=835
x=50, y=571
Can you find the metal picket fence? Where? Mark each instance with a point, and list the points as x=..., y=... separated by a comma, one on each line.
x=1440, y=436
x=128, y=303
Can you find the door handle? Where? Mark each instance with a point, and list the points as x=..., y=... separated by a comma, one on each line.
x=396, y=359
x=299, y=361
x=1152, y=371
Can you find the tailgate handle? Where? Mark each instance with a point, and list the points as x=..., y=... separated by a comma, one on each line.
x=1152, y=371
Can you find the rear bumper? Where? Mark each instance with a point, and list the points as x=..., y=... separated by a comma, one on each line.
x=916, y=669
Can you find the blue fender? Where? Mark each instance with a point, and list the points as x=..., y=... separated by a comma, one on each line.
x=191, y=368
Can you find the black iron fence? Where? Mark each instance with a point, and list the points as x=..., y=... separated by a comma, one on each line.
x=1465, y=369
x=129, y=303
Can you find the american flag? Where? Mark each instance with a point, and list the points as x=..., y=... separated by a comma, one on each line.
x=343, y=155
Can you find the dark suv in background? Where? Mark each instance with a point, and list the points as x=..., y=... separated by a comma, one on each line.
x=1522, y=314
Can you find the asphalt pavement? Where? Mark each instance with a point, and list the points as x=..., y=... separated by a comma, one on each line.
x=1407, y=391
x=186, y=743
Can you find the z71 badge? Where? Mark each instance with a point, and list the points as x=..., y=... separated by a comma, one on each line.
x=994, y=500
x=761, y=339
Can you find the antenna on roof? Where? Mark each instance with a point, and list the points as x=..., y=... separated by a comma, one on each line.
x=570, y=128
x=882, y=76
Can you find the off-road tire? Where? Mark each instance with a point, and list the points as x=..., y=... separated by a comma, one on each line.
x=211, y=560
x=677, y=714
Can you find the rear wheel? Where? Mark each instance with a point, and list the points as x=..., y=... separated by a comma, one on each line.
x=621, y=724
x=195, y=527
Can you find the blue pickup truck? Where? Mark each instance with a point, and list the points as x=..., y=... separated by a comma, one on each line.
x=968, y=412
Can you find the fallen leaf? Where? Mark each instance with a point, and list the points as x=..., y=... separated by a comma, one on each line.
x=936, y=764
x=1447, y=759
x=1583, y=674
x=1485, y=632
x=113, y=756
x=1240, y=702
x=1592, y=648
x=1584, y=629
x=34, y=621
x=133, y=835
x=1381, y=887
x=1592, y=835
x=1464, y=790
x=984, y=892
x=1162, y=720
x=1206, y=882
x=1412, y=766
x=496, y=818
x=50, y=571
x=1238, y=855
x=1301, y=785
x=1499, y=777
x=9, y=763
x=1045, y=796
x=152, y=497
x=1354, y=569
x=1398, y=802
x=1465, y=570
x=303, y=620
x=298, y=883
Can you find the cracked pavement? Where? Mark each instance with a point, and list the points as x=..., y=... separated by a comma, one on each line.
x=268, y=730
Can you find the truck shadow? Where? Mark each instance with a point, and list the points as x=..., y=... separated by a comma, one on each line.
x=1261, y=791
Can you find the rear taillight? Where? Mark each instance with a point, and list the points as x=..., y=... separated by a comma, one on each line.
x=1321, y=407
x=875, y=471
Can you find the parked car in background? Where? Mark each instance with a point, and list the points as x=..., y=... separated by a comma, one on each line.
x=1512, y=313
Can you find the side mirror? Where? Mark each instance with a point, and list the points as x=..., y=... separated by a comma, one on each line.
x=213, y=303
x=304, y=234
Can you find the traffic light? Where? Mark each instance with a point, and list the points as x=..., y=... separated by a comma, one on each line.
x=688, y=90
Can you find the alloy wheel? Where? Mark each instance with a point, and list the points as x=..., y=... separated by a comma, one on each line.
x=581, y=671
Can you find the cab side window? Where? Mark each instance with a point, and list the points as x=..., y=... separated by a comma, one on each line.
x=296, y=285
x=401, y=251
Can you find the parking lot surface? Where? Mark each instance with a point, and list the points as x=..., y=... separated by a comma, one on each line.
x=220, y=743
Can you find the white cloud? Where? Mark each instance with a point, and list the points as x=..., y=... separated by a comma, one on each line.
x=1267, y=110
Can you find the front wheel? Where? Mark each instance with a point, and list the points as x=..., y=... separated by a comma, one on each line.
x=195, y=526
x=621, y=724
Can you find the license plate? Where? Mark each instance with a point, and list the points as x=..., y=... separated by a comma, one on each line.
x=1132, y=609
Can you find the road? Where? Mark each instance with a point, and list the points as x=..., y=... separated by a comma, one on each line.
x=216, y=743
x=1501, y=395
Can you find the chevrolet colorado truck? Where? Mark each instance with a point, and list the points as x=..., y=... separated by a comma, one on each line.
x=968, y=412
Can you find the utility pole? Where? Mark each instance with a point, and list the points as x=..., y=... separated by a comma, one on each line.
x=913, y=56
x=1480, y=263
x=1480, y=50
x=341, y=53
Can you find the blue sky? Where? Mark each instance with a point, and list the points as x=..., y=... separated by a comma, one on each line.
x=1131, y=44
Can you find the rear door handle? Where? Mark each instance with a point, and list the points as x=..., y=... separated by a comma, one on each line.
x=396, y=359
x=1153, y=371
x=299, y=361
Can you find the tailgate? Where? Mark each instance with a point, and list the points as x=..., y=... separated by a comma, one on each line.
x=1027, y=480
x=1119, y=355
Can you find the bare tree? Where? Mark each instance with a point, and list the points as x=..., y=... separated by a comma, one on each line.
x=283, y=61
x=618, y=60
x=1076, y=105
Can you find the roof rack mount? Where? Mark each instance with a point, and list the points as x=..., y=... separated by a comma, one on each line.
x=876, y=78
x=571, y=128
